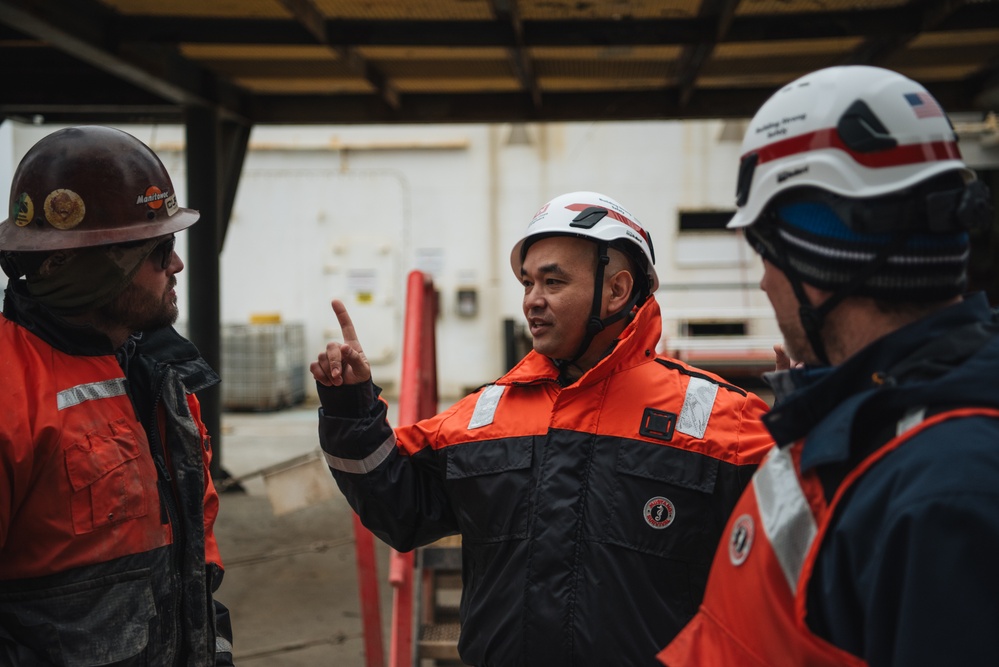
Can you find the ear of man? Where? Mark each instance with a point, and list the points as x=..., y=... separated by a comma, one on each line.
x=618, y=282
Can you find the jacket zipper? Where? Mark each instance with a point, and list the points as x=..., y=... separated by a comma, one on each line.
x=172, y=514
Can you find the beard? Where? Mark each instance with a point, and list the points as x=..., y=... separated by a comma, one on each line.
x=140, y=309
x=797, y=344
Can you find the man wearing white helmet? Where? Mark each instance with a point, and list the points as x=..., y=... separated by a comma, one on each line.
x=589, y=484
x=868, y=535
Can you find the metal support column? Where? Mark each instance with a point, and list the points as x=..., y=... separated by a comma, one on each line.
x=215, y=150
x=204, y=243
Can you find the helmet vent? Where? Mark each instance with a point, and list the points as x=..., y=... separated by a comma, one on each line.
x=862, y=131
x=588, y=217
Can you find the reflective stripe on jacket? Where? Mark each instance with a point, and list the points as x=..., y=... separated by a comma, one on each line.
x=754, y=608
x=588, y=513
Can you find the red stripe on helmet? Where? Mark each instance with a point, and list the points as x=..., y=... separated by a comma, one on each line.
x=614, y=214
x=829, y=138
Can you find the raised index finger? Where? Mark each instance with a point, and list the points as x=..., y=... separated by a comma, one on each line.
x=346, y=325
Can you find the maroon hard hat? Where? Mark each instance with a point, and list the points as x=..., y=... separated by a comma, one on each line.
x=87, y=186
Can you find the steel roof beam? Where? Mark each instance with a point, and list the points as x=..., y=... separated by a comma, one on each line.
x=309, y=16
x=514, y=107
x=923, y=17
x=748, y=28
x=506, y=11
x=84, y=31
x=694, y=56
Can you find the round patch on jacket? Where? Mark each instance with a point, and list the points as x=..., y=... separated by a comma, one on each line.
x=741, y=539
x=659, y=512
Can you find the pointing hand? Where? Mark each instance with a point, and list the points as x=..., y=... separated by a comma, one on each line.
x=342, y=363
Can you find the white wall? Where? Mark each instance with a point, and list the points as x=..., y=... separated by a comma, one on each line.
x=347, y=212
x=8, y=161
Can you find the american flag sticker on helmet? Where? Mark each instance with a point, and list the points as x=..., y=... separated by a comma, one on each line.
x=923, y=105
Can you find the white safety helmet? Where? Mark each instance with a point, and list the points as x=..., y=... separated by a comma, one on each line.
x=593, y=216
x=855, y=131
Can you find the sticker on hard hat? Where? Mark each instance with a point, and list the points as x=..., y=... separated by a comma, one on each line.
x=64, y=209
x=923, y=105
x=153, y=198
x=171, y=205
x=659, y=512
x=23, y=210
x=541, y=212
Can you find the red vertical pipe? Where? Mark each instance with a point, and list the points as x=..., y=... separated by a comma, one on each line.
x=401, y=578
x=367, y=579
x=417, y=400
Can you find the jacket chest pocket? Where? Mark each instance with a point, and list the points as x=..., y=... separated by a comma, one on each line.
x=106, y=478
x=661, y=502
x=490, y=484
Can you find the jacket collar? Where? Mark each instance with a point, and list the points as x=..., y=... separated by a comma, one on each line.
x=76, y=339
x=161, y=347
x=947, y=355
x=636, y=343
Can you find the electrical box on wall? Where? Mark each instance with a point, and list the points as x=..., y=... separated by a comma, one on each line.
x=467, y=302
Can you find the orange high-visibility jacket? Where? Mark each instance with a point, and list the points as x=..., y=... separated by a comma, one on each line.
x=588, y=513
x=107, y=553
x=754, y=609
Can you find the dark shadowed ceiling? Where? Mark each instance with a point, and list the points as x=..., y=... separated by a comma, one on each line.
x=429, y=61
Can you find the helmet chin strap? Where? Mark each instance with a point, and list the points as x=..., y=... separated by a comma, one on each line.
x=813, y=317
x=594, y=324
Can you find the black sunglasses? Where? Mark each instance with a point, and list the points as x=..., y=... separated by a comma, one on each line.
x=164, y=251
x=161, y=253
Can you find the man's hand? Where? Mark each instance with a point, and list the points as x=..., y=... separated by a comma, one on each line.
x=784, y=362
x=342, y=363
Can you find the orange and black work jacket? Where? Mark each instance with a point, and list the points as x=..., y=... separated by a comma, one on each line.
x=107, y=554
x=588, y=513
x=871, y=540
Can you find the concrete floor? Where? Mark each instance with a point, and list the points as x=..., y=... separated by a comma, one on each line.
x=291, y=579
